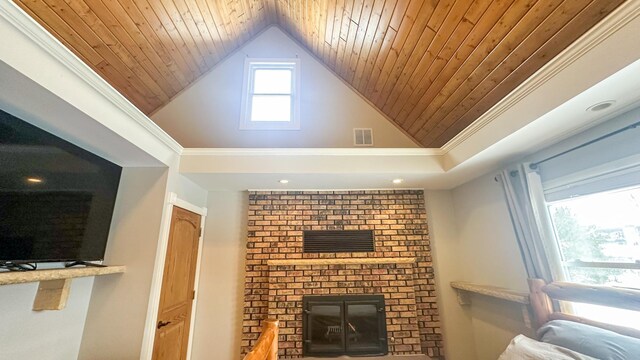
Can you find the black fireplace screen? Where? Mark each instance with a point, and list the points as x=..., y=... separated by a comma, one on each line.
x=344, y=325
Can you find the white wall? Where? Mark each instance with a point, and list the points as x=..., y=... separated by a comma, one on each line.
x=207, y=113
x=489, y=254
x=117, y=312
x=46, y=335
x=218, y=322
x=473, y=240
x=486, y=236
x=119, y=309
x=449, y=266
x=189, y=191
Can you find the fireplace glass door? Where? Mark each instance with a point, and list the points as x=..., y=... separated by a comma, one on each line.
x=344, y=325
x=326, y=321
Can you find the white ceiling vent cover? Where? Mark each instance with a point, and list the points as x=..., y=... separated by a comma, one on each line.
x=362, y=137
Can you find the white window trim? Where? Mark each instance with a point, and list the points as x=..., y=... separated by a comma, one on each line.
x=250, y=65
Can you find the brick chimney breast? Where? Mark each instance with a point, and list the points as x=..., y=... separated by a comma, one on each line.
x=279, y=273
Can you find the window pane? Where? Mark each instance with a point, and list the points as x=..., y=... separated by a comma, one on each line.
x=602, y=227
x=599, y=227
x=271, y=108
x=272, y=81
x=629, y=278
x=622, y=317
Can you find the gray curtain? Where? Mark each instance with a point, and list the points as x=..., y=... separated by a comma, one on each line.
x=531, y=223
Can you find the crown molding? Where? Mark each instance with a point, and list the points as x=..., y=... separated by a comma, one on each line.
x=311, y=152
x=40, y=36
x=619, y=18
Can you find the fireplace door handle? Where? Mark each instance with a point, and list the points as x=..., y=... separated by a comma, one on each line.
x=352, y=328
x=162, y=324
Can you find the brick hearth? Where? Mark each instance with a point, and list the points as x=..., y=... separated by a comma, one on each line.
x=279, y=274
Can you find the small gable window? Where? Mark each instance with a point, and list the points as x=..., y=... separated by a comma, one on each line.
x=271, y=95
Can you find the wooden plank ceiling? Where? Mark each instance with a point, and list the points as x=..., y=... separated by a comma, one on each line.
x=431, y=66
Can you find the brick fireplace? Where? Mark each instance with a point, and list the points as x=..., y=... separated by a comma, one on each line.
x=279, y=274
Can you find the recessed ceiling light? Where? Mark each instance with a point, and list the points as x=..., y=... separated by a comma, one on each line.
x=283, y=181
x=34, y=180
x=398, y=181
x=601, y=105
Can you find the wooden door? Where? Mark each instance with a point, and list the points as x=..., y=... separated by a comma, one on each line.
x=176, y=298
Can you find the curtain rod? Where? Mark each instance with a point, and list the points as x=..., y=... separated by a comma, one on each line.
x=534, y=165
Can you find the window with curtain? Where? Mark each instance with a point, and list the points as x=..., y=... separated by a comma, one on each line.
x=592, y=199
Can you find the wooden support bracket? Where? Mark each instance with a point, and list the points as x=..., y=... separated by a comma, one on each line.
x=52, y=295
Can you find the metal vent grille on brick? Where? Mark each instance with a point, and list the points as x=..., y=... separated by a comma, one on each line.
x=332, y=241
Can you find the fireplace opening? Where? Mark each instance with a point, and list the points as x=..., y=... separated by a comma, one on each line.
x=344, y=325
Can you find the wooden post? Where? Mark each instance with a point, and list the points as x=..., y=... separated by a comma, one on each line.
x=540, y=302
x=266, y=348
x=594, y=294
x=273, y=351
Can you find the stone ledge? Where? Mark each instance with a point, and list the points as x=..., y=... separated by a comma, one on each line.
x=343, y=261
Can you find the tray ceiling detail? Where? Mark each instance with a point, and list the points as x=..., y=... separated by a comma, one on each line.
x=432, y=67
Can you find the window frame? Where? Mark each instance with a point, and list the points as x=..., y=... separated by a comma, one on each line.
x=560, y=266
x=250, y=67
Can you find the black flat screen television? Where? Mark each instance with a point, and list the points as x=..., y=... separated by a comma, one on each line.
x=56, y=199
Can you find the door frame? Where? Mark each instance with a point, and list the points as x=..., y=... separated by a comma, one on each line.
x=148, y=339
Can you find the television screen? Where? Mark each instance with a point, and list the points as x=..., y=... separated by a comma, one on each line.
x=56, y=199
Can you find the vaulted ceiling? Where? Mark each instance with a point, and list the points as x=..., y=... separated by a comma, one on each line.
x=431, y=66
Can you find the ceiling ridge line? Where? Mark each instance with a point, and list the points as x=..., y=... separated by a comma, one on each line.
x=52, y=46
x=620, y=17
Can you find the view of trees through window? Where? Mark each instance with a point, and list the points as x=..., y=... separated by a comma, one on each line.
x=598, y=237
x=583, y=243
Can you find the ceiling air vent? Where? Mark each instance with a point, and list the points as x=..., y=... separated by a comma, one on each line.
x=362, y=137
x=332, y=241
